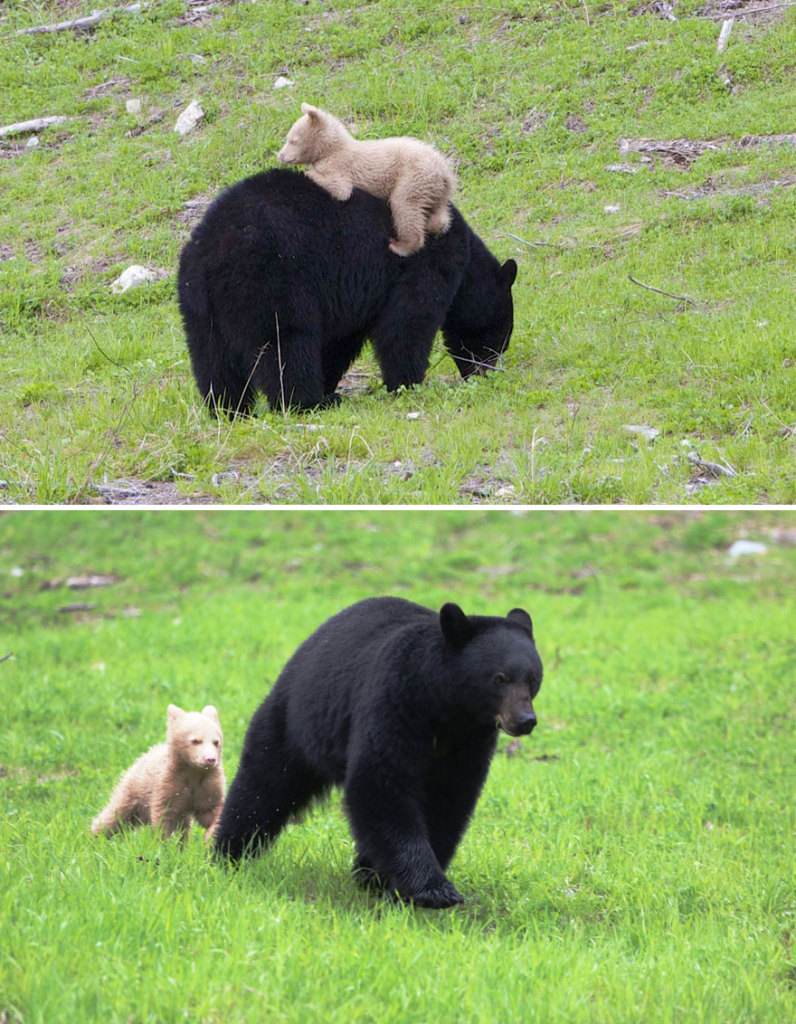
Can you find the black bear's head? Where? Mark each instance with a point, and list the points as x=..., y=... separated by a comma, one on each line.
x=479, y=322
x=498, y=669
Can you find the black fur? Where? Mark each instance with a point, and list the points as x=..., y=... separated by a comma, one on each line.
x=398, y=705
x=280, y=274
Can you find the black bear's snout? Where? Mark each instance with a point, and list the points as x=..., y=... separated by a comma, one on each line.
x=524, y=724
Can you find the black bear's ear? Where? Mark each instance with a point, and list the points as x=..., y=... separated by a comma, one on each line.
x=521, y=618
x=507, y=273
x=455, y=625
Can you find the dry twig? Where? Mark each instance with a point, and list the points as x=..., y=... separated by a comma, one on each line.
x=660, y=291
x=79, y=24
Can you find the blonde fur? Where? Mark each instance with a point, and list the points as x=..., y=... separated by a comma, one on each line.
x=173, y=782
x=417, y=179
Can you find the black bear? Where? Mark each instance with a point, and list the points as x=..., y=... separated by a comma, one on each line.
x=280, y=285
x=400, y=706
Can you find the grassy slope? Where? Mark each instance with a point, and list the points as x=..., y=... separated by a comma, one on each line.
x=531, y=100
x=632, y=861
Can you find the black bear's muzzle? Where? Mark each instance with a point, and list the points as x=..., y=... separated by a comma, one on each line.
x=521, y=723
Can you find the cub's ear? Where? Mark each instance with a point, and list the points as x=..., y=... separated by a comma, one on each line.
x=521, y=618
x=313, y=112
x=507, y=273
x=211, y=712
x=174, y=713
x=455, y=625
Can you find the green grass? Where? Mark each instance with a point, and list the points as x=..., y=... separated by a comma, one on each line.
x=531, y=100
x=632, y=861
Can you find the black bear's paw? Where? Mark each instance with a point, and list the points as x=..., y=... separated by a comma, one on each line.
x=367, y=877
x=437, y=897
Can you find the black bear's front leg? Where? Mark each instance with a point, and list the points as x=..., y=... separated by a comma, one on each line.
x=452, y=786
x=393, y=850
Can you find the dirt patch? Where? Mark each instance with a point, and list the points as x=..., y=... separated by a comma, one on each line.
x=683, y=152
x=147, y=492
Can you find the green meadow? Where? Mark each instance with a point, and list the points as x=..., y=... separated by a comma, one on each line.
x=595, y=142
x=631, y=861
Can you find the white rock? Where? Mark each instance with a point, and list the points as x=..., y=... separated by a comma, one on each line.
x=612, y=209
x=131, y=278
x=283, y=83
x=189, y=118
x=133, y=106
x=746, y=547
x=648, y=433
x=32, y=142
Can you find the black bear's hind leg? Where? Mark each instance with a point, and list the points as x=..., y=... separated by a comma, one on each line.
x=272, y=784
x=292, y=377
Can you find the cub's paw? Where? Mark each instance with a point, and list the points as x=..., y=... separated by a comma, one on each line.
x=438, y=896
x=403, y=248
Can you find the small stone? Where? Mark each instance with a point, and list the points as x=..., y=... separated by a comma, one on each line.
x=283, y=83
x=219, y=479
x=131, y=278
x=648, y=433
x=189, y=118
x=133, y=107
x=746, y=547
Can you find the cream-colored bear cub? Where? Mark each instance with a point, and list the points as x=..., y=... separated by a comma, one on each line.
x=173, y=782
x=416, y=178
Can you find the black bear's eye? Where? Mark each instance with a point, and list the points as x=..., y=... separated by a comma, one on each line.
x=499, y=679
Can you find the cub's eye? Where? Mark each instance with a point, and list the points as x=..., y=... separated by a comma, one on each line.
x=215, y=743
x=499, y=679
x=196, y=741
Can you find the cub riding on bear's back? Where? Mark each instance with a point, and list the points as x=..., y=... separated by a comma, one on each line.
x=416, y=178
x=281, y=285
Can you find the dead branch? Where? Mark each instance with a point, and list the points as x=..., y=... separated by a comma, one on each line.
x=79, y=24
x=715, y=469
x=35, y=125
x=750, y=13
x=660, y=291
x=531, y=245
x=724, y=35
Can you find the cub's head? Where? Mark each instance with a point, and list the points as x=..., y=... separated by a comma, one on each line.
x=478, y=326
x=195, y=736
x=314, y=136
x=497, y=665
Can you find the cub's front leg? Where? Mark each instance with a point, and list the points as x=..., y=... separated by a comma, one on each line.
x=336, y=184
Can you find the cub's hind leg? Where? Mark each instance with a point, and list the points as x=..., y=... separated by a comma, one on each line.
x=409, y=219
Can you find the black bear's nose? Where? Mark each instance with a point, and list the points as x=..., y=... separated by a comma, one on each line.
x=526, y=723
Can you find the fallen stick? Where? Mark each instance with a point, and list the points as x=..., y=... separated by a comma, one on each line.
x=724, y=35
x=660, y=291
x=79, y=24
x=36, y=125
x=751, y=11
x=714, y=468
x=532, y=245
